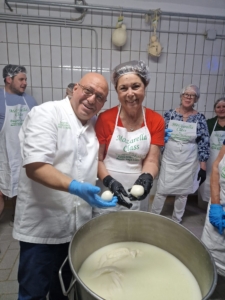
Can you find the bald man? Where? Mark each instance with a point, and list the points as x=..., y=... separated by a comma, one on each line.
x=57, y=189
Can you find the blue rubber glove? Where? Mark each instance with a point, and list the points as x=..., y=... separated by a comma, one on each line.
x=216, y=215
x=89, y=193
x=167, y=134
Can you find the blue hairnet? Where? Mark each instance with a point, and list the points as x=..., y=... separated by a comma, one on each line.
x=13, y=70
x=138, y=67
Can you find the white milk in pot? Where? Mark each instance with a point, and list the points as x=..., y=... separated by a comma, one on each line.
x=133, y=270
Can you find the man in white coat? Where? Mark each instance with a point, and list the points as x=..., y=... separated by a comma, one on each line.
x=57, y=189
x=15, y=104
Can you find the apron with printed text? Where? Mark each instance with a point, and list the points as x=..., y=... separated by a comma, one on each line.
x=10, y=156
x=124, y=160
x=180, y=165
x=214, y=241
x=216, y=142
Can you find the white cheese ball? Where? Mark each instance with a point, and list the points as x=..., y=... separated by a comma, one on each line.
x=107, y=196
x=137, y=190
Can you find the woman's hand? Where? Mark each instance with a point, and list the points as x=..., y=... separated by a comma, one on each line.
x=117, y=189
x=217, y=217
x=146, y=180
x=201, y=176
x=167, y=134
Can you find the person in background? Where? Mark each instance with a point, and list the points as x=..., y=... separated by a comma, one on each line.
x=183, y=166
x=130, y=137
x=14, y=106
x=216, y=128
x=213, y=235
x=69, y=90
x=57, y=189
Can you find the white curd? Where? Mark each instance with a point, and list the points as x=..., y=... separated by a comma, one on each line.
x=133, y=270
x=107, y=196
x=137, y=190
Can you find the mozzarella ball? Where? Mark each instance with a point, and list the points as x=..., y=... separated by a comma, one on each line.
x=137, y=190
x=107, y=196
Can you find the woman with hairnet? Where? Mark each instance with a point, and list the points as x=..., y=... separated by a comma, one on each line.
x=130, y=136
x=183, y=166
x=216, y=128
x=69, y=90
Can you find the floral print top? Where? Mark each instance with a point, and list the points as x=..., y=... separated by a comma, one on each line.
x=202, y=131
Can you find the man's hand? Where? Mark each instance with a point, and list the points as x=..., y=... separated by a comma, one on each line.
x=89, y=193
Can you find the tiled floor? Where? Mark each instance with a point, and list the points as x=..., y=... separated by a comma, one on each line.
x=193, y=220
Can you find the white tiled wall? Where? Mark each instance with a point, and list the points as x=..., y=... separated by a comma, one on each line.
x=55, y=56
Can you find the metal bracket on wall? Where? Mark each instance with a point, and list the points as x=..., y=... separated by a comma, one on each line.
x=80, y=2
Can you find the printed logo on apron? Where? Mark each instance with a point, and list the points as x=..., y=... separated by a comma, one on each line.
x=180, y=165
x=223, y=172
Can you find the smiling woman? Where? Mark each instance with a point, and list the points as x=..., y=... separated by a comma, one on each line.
x=130, y=136
x=183, y=166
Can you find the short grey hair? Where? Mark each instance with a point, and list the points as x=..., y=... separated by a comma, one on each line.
x=192, y=86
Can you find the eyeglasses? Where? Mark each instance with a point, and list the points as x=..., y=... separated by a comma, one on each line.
x=189, y=96
x=87, y=91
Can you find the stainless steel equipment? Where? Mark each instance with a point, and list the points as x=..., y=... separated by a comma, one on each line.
x=140, y=227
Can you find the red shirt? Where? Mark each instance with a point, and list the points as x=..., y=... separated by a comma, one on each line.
x=106, y=123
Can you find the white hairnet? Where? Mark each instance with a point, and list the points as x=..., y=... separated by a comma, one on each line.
x=193, y=87
x=13, y=70
x=138, y=67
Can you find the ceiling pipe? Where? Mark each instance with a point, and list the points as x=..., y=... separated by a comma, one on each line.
x=110, y=9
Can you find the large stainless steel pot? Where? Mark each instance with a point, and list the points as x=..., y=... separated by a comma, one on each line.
x=141, y=227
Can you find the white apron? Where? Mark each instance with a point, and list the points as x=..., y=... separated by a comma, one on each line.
x=10, y=157
x=180, y=165
x=124, y=159
x=44, y=215
x=210, y=236
x=216, y=142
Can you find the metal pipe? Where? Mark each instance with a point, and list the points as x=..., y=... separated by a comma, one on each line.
x=70, y=23
x=120, y=9
x=50, y=22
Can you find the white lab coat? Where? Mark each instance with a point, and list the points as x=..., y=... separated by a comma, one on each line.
x=52, y=134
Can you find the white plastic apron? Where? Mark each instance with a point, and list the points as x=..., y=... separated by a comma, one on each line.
x=180, y=165
x=124, y=159
x=216, y=142
x=10, y=157
x=45, y=215
x=210, y=236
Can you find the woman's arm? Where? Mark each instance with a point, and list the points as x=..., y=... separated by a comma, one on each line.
x=202, y=139
x=151, y=162
x=215, y=177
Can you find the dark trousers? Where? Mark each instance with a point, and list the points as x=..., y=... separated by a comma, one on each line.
x=38, y=271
